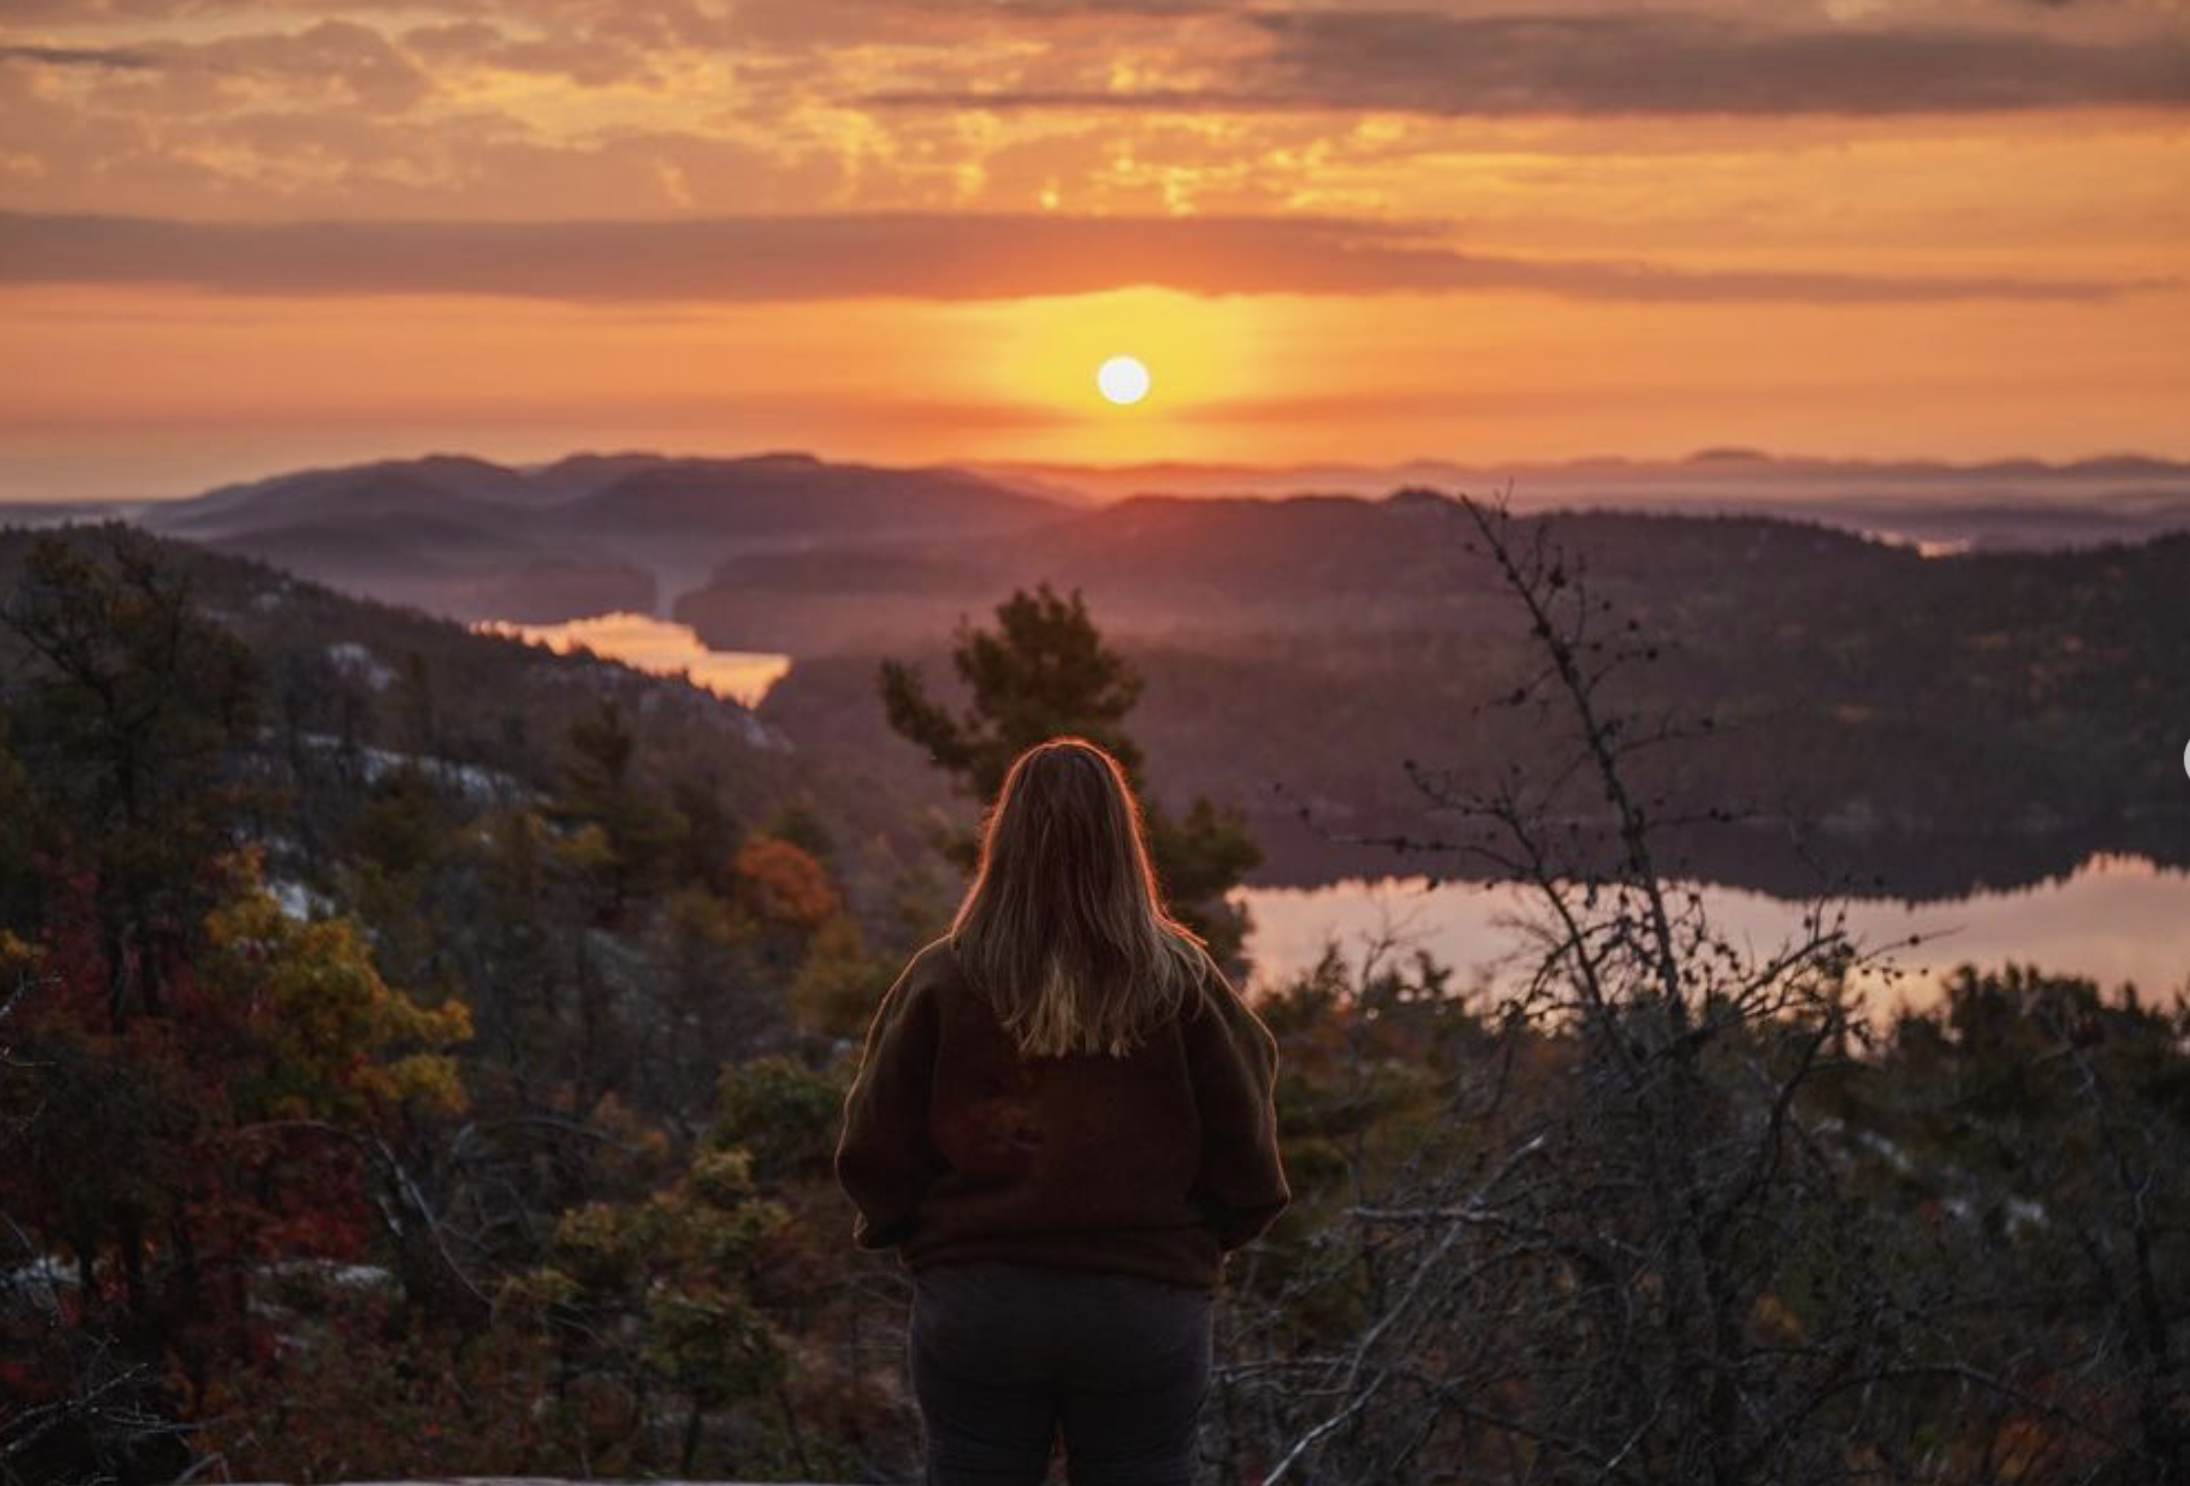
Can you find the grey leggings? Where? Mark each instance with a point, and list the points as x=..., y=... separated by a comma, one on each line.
x=1005, y=1354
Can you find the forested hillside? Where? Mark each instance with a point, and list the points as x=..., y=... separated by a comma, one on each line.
x=1941, y=722
x=421, y=1056
x=388, y=1012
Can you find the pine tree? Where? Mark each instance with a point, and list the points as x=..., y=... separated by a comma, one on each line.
x=625, y=835
x=1045, y=671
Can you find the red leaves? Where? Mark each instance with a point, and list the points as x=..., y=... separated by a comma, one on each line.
x=781, y=883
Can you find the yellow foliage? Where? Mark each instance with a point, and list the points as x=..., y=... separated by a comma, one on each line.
x=17, y=957
x=344, y=1042
x=721, y=1178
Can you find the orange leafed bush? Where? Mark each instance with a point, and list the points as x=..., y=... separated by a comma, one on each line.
x=783, y=884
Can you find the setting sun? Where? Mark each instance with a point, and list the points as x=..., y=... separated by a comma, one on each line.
x=1123, y=380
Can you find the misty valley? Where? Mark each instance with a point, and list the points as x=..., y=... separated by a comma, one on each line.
x=1935, y=736
x=441, y=905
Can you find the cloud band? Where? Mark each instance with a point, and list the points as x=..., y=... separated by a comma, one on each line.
x=920, y=256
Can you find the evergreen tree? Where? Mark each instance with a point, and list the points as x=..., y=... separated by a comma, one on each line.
x=128, y=719
x=1045, y=671
x=625, y=834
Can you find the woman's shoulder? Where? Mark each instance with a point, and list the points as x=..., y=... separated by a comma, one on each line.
x=914, y=997
x=1206, y=981
x=933, y=966
x=1220, y=1010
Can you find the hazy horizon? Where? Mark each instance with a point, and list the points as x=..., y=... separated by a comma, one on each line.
x=1111, y=479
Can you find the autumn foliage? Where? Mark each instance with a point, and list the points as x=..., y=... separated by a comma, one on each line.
x=367, y=1112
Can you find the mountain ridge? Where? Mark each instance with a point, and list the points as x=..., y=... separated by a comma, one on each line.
x=472, y=539
x=633, y=529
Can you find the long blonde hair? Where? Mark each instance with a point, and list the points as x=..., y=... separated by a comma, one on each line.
x=1064, y=928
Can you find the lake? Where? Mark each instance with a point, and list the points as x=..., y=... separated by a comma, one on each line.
x=662, y=647
x=2114, y=919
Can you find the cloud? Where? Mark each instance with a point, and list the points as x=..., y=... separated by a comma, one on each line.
x=79, y=56
x=582, y=59
x=923, y=256
x=328, y=63
x=1645, y=63
x=863, y=22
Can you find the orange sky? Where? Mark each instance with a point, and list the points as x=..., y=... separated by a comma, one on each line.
x=238, y=237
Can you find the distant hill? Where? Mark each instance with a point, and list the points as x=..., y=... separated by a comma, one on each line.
x=1946, y=722
x=1950, y=720
x=634, y=530
x=1955, y=710
x=681, y=517
x=1222, y=568
x=1994, y=505
x=347, y=490
x=588, y=534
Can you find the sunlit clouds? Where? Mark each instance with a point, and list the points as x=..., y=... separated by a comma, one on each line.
x=896, y=228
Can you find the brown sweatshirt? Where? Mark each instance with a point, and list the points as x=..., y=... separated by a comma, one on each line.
x=1157, y=1163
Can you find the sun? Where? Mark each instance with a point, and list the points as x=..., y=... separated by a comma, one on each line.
x=1123, y=379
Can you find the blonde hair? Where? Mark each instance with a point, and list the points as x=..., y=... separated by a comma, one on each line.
x=1064, y=929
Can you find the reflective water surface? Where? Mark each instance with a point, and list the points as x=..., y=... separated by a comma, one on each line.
x=663, y=647
x=2114, y=919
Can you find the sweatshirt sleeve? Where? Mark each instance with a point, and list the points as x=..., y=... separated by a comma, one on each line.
x=884, y=1159
x=1233, y=1058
